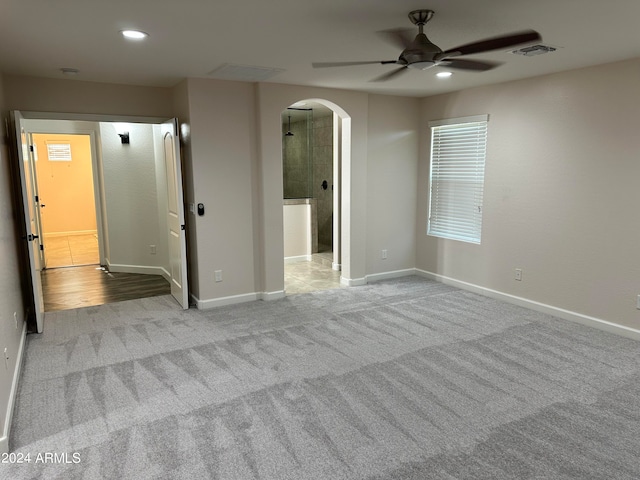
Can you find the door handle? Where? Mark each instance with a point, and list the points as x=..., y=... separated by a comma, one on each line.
x=31, y=238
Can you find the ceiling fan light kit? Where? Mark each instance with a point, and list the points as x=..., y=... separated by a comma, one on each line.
x=421, y=54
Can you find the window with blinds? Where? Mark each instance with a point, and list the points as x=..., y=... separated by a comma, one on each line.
x=456, y=183
x=59, y=152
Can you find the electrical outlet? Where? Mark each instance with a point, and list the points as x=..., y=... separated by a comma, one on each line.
x=218, y=275
x=15, y=318
x=6, y=359
x=518, y=274
x=152, y=249
x=638, y=303
x=384, y=254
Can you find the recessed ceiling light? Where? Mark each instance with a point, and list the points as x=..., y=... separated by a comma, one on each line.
x=443, y=74
x=134, y=34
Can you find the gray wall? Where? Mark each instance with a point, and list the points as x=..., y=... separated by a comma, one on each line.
x=297, y=158
x=11, y=300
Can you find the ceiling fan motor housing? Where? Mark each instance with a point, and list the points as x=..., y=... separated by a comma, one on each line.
x=421, y=54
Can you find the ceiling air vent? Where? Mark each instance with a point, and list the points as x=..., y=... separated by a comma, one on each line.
x=534, y=50
x=244, y=73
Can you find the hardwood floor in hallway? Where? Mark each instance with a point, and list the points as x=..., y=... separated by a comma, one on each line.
x=74, y=278
x=76, y=287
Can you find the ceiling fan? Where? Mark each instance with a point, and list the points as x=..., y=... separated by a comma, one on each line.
x=419, y=53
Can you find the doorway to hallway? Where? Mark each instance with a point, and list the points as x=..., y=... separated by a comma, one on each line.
x=72, y=276
x=139, y=226
x=64, y=179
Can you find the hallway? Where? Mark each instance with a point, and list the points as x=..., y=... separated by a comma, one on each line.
x=74, y=278
x=91, y=285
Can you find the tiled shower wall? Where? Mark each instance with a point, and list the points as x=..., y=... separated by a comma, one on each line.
x=302, y=178
x=322, y=142
x=297, y=169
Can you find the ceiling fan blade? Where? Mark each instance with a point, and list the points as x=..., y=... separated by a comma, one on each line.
x=390, y=75
x=495, y=43
x=478, y=66
x=399, y=37
x=348, y=64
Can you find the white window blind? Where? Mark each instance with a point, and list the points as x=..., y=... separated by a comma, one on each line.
x=458, y=151
x=59, y=152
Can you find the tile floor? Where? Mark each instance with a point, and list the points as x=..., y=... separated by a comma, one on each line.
x=304, y=277
x=71, y=250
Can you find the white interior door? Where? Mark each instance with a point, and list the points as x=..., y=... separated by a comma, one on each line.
x=175, y=213
x=31, y=215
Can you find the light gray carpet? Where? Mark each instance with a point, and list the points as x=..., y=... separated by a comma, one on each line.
x=403, y=379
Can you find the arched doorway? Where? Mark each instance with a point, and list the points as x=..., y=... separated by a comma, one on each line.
x=352, y=141
x=311, y=196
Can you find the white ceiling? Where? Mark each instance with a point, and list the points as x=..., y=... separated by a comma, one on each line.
x=190, y=38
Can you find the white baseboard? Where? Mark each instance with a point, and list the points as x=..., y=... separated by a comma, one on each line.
x=299, y=258
x=70, y=234
x=235, y=299
x=142, y=269
x=515, y=300
x=4, y=440
x=222, y=301
x=165, y=274
x=389, y=275
x=269, y=296
x=353, y=282
x=336, y=266
x=537, y=306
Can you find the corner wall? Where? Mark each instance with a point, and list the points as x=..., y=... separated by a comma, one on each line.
x=221, y=163
x=561, y=194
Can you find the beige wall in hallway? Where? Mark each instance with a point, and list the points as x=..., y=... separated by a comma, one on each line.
x=66, y=187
